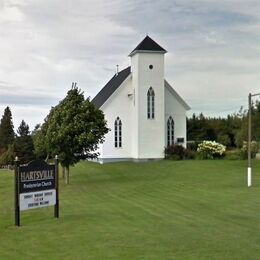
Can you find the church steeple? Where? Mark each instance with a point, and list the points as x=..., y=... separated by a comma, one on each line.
x=147, y=71
x=148, y=45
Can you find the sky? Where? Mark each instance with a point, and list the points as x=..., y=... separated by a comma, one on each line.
x=213, y=58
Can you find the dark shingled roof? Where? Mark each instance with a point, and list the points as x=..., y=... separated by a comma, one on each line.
x=148, y=44
x=110, y=87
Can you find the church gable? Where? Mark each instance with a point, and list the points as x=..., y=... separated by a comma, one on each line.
x=112, y=85
x=120, y=98
x=176, y=95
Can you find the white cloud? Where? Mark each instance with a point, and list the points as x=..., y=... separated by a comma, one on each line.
x=213, y=48
x=213, y=38
x=11, y=14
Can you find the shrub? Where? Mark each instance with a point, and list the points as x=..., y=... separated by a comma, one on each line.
x=7, y=158
x=192, y=145
x=174, y=152
x=254, y=149
x=210, y=150
x=178, y=152
x=189, y=154
x=236, y=154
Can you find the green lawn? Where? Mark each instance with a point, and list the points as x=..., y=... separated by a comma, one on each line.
x=158, y=210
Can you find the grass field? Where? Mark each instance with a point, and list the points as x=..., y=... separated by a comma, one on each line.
x=157, y=210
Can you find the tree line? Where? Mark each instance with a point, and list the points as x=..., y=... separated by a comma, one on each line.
x=14, y=144
x=231, y=131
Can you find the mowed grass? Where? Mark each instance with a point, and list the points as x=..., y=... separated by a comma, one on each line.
x=157, y=210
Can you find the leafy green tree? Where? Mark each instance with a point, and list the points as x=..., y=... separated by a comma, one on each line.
x=39, y=141
x=74, y=128
x=6, y=129
x=7, y=158
x=23, y=145
x=256, y=121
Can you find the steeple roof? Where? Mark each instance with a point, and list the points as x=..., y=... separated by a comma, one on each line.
x=148, y=45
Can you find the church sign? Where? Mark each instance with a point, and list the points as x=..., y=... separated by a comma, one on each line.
x=36, y=186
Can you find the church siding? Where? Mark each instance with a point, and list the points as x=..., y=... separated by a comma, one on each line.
x=143, y=137
x=175, y=109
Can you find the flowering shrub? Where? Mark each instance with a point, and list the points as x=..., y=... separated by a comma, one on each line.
x=210, y=150
x=254, y=149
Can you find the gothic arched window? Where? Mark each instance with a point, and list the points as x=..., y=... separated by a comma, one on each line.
x=170, y=131
x=150, y=103
x=118, y=132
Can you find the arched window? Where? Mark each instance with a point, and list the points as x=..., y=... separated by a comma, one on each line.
x=170, y=131
x=150, y=103
x=118, y=132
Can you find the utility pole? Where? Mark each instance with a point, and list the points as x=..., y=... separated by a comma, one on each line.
x=249, y=168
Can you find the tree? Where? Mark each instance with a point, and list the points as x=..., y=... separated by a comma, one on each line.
x=39, y=136
x=74, y=128
x=23, y=129
x=6, y=130
x=7, y=158
x=242, y=134
x=199, y=128
x=231, y=131
x=256, y=121
x=23, y=145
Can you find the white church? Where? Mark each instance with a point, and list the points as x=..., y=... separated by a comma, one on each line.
x=143, y=111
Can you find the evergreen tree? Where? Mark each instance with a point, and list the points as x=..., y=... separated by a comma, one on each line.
x=6, y=130
x=23, y=145
x=23, y=129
